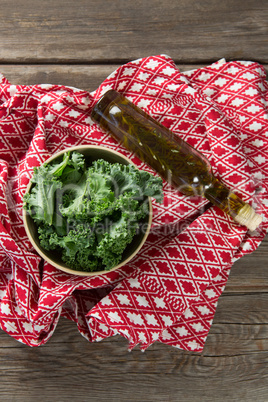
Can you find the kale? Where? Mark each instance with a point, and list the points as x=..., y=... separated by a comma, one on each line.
x=89, y=214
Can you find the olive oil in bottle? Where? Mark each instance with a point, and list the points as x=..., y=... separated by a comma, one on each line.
x=175, y=160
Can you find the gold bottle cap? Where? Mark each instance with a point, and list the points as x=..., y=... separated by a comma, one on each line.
x=248, y=217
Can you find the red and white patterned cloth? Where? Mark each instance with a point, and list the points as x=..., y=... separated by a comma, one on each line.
x=169, y=291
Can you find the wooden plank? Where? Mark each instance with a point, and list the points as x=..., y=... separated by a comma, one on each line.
x=233, y=365
x=87, y=77
x=88, y=32
x=83, y=77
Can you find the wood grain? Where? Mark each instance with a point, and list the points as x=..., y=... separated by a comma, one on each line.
x=86, y=77
x=83, y=31
x=79, y=44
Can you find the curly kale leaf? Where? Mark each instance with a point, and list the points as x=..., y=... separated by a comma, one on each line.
x=119, y=229
x=127, y=178
x=40, y=202
x=47, y=183
x=73, y=203
x=77, y=247
x=74, y=169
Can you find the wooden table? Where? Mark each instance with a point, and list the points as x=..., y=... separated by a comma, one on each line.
x=78, y=43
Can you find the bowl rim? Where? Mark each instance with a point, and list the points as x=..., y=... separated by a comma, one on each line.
x=25, y=217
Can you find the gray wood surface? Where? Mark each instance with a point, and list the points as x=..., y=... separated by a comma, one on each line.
x=79, y=44
x=88, y=31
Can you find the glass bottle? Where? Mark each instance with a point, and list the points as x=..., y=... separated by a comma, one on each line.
x=175, y=160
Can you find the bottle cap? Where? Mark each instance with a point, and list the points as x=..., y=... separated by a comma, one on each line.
x=248, y=217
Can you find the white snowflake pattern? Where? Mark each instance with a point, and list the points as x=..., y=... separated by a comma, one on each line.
x=222, y=98
x=166, y=335
x=45, y=86
x=209, y=91
x=159, y=302
x=46, y=98
x=134, y=283
x=114, y=316
x=159, y=80
x=58, y=106
x=135, y=318
x=123, y=299
x=142, y=301
x=125, y=332
x=73, y=113
x=128, y=71
x=151, y=319
x=88, y=120
x=193, y=345
x=38, y=327
x=189, y=90
x=204, y=76
x=10, y=326
x=220, y=82
x=142, y=337
x=167, y=320
x=86, y=100
x=198, y=327
x=236, y=86
x=143, y=76
x=63, y=123
x=233, y=70
x=144, y=103
x=28, y=326
x=151, y=91
x=204, y=310
x=2, y=293
x=155, y=336
x=173, y=87
x=50, y=117
x=248, y=76
x=253, y=109
x=5, y=309
x=261, y=86
x=188, y=313
x=121, y=85
x=238, y=102
x=260, y=159
x=70, y=99
x=251, y=91
x=169, y=71
x=210, y=293
x=105, y=88
x=257, y=143
x=255, y=126
x=182, y=331
x=103, y=328
x=152, y=64
x=12, y=90
x=242, y=119
x=136, y=87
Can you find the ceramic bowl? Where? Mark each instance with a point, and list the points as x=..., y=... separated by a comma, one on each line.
x=91, y=153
